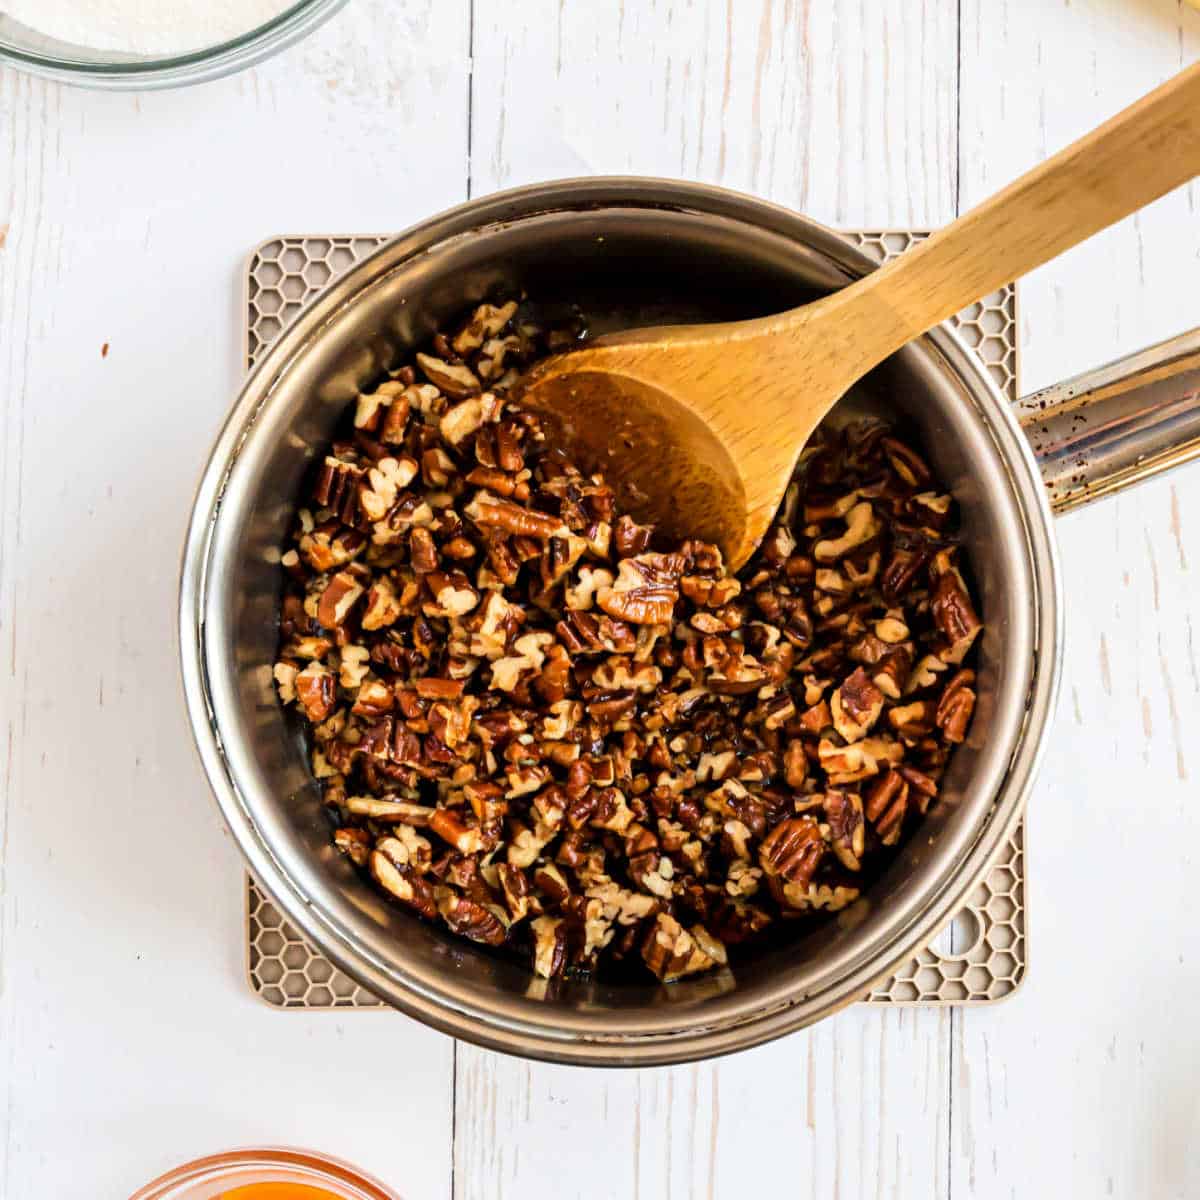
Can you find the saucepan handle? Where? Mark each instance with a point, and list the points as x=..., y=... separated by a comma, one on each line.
x=1117, y=425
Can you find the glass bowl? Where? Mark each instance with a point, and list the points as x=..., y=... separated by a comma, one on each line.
x=31, y=51
x=211, y=1178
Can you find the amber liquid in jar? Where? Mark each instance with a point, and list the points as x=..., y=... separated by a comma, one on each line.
x=277, y=1191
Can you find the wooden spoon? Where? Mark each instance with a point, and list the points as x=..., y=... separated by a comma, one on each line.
x=699, y=426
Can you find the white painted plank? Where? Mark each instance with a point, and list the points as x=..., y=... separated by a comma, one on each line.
x=846, y=111
x=856, y=1107
x=128, y=1039
x=1084, y=1084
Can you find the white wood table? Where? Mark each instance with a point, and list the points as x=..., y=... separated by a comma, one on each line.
x=128, y=1039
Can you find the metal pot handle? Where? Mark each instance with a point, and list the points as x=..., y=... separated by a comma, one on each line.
x=1117, y=425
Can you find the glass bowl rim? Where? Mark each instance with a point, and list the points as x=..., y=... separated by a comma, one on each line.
x=194, y=66
x=319, y=1169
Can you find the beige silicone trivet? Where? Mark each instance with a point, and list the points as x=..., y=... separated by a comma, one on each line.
x=980, y=957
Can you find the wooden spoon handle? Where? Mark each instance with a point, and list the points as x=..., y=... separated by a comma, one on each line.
x=1142, y=153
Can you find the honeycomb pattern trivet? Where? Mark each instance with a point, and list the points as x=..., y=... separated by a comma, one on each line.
x=978, y=958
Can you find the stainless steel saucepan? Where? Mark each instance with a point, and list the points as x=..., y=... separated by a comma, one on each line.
x=644, y=251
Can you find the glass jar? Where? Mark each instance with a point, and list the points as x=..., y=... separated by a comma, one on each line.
x=214, y=1177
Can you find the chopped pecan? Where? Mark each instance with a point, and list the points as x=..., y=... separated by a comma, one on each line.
x=844, y=813
x=486, y=321
x=793, y=849
x=735, y=921
x=795, y=764
x=630, y=537
x=455, y=379
x=470, y=919
x=353, y=668
x=672, y=952
x=886, y=805
x=645, y=590
x=315, y=691
x=583, y=593
x=549, y=946
x=805, y=897
x=389, y=864
x=285, y=679
x=355, y=844
x=381, y=808
x=450, y=827
x=491, y=512
x=953, y=612
x=516, y=891
x=906, y=462
x=383, y=484
x=383, y=605
x=955, y=707
x=331, y=546
x=338, y=598
x=847, y=764
x=855, y=706
x=335, y=483
x=613, y=746
x=458, y=423
x=861, y=527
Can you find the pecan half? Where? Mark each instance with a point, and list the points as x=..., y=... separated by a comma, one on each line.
x=956, y=706
x=793, y=849
x=645, y=590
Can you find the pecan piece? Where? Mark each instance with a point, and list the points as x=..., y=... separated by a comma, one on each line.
x=470, y=919
x=389, y=864
x=953, y=612
x=822, y=896
x=383, y=605
x=956, y=706
x=735, y=921
x=455, y=379
x=886, y=806
x=330, y=546
x=906, y=462
x=450, y=827
x=549, y=946
x=491, y=512
x=645, y=591
x=844, y=813
x=315, y=692
x=381, y=808
x=354, y=844
x=384, y=482
x=486, y=322
x=458, y=423
x=672, y=952
x=855, y=706
x=338, y=598
x=335, y=483
x=861, y=527
x=793, y=849
x=516, y=891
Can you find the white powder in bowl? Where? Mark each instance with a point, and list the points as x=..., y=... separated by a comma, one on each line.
x=146, y=27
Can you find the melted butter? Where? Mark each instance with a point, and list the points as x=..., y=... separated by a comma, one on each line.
x=278, y=1191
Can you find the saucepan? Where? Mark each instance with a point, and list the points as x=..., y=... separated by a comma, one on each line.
x=636, y=251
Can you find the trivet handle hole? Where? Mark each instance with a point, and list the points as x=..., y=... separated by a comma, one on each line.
x=959, y=937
